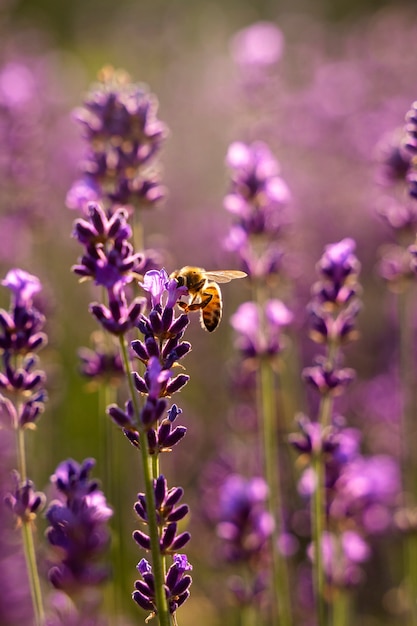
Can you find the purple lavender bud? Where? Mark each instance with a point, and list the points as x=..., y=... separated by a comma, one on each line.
x=170, y=542
x=24, y=502
x=142, y=539
x=393, y=160
x=152, y=411
x=177, y=584
x=313, y=438
x=411, y=129
x=176, y=383
x=125, y=419
x=339, y=268
x=412, y=184
x=99, y=228
x=152, y=347
x=328, y=380
x=139, y=348
x=119, y=318
x=101, y=364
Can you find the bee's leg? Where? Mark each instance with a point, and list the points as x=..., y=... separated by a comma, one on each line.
x=195, y=306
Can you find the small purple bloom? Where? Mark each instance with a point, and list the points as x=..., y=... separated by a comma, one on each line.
x=155, y=282
x=25, y=502
x=23, y=285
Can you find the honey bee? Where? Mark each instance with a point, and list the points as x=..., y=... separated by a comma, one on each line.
x=204, y=293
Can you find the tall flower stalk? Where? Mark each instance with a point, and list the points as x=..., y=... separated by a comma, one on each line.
x=148, y=426
x=258, y=199
x=22, y=402
x=333, y=309
x=399, y=210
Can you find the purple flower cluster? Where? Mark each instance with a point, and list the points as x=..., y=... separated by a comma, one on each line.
x=411, y=145
x=168, y=514
x=161, y=348
x=177, y=583
x=359, y=492
x=21, y=335
x=77, y=529
x=123, y=135
x=334, y=305
x=258, y=199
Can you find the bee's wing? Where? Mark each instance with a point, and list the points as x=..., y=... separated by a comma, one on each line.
x=224, y=276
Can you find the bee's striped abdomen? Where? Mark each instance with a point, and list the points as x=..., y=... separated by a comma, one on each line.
x=211, y=314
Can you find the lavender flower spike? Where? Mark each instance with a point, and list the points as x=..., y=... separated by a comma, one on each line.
x=78, y=530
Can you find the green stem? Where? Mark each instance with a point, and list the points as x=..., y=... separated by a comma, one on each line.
x=318, y=503
x=318, y=526
x=341, y=607
x=27, y=535
x=146, y=459
x=267, y=410
x=21, y=453
x=34, y=583
x=110, y=463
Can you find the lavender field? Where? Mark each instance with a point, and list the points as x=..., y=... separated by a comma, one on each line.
x=208, y=316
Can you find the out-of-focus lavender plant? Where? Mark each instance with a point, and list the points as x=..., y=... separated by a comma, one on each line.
x=398, y=172
x=333, y=310
x=123, y=136
x=22, y=401
x=78, y=535
x=258, y=199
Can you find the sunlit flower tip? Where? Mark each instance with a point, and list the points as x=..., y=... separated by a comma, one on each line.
x=338, y=261
x=25, y=502
x=144, y=567
x=155, y=282
x=277, y=313
x=259, y=45
x=246, y=319
x=23, y=285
